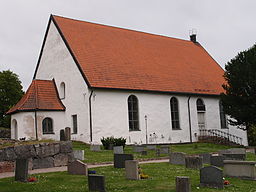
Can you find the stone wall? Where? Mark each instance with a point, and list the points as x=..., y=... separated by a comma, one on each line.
x=5, y=133
x=43, y=155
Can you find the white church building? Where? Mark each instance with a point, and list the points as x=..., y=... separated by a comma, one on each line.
x=106, y=81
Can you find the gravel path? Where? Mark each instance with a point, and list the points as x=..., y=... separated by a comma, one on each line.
x=64, y=168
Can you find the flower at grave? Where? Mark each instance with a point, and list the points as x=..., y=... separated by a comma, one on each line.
x=226, y=182
x=141, y=174
x=32, y=179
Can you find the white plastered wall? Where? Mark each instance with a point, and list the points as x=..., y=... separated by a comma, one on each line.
x=56, y=62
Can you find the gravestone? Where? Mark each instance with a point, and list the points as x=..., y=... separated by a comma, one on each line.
x=144, y=153
x=183, y=184
x=95, y=148
x=230, y=156
x=157, y=152
x=118, y=150
x=77, y=167
x=96, y=183
x=206, y=157
x=194, y=162
x=233, y=151
x=138, y=148
x=78, y=154
x=21, y=170
x=131, y=169
x=211, y=177
x=177, y=158
x=119, y=160
x=217, y=160
x=151, y=147
x=164, y=149
x=62, y=135
x=67, y=133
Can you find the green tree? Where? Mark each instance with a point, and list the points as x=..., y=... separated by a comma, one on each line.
x=239, y=99
x=10, y=93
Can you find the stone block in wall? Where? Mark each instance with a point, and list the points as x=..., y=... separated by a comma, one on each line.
x=7, y=166
x=2, y=155
x=71, y=157
x=60, y=160
x=46, y=150
x=39, y=163
x=66, y=147
x=9, y=154
x=25, y=151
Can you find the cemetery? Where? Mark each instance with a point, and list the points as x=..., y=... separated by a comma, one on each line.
x=186, y=168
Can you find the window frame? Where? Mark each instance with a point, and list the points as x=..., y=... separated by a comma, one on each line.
x=62, y=90
x=175, y=116
x=200, y=106
x=48, y=131
x=133, y=113
x=74, y=124
x=223, y=117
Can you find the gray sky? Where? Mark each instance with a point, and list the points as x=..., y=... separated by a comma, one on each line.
x=224, y=27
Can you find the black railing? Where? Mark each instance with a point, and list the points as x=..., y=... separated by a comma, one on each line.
x=219, y=136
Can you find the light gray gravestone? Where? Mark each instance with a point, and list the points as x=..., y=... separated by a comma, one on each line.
x=77, y=167
x=164, y=149
x=118, y=150
x=211, y=177
x=78, y=154
x=230, y=156
x=138, y=148
x=67, y=133
x=119, y=160
x=131, y=169
x=151, y=147
x=193, y=162
x=95, y=148
x=206, y=157
x=183, y=184
x=217, y=160
x=96, y=183
x=21, y=170
x=62, y=135
x=177, y=158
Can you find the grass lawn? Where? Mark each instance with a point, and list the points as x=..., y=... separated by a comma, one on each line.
x=107, y=155
x=162, y=178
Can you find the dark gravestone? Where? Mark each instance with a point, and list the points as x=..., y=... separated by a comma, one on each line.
x=119, y=160
x=164, y=150
x=194, y=162
x=67, y=133
x=177, y=158
x=144, y=153
x=21, y=170
x=62, y=135
x=183, y=184
x=211, y=177
x=96, y=183
x=206, y=157
x=217, y=160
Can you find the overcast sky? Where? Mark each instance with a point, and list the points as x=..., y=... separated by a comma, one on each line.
x=224, y=27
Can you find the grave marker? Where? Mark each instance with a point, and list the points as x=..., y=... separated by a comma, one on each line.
x=78, y=154
x=206, y=157
x=217, y=160
x=67, y=133
x=211, y=177
x=164, y=149
x=151, y=147
x=96, y=183
x=118, y=150
x=138, y=148
x=177, y=158
x=194, y=162
x=77, y=167
x=95, y=148
x=131, y=169
x=183, y=184
x=21, y=170
x=119, y=160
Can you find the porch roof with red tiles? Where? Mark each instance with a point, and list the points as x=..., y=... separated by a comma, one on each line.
x=41, y=95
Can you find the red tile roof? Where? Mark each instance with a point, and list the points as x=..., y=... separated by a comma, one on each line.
x=111, y=57
x=41, y=95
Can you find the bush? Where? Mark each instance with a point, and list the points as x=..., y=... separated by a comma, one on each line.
x=109, y=142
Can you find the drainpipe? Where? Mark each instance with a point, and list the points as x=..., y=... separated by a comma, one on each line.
x=36, y=125
x=189, y=120
x=90, y=114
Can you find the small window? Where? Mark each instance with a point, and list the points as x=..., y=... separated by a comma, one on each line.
x=223, y=120
x=175, y=113
x=200, y=105
x=133, y=113
x=47, y=126
x=74, y=119
x=62, y=90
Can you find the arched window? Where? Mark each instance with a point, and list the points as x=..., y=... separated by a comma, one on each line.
x=223, y=121
x=15, y=129
x=47, y=126
x=62, y=90
x=133, y=112
x=200, y=105
x=175, y=113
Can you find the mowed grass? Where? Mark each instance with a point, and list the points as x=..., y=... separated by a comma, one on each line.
x=161, y=179
x=194, y=148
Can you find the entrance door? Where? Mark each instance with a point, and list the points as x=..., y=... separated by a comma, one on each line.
x=201, y=120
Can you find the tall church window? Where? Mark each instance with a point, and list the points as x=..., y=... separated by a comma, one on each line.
x=133, y=112
x=201, y=114
x=47, y=126
x=62, y=90
x=223, y=120
x=175, y=113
